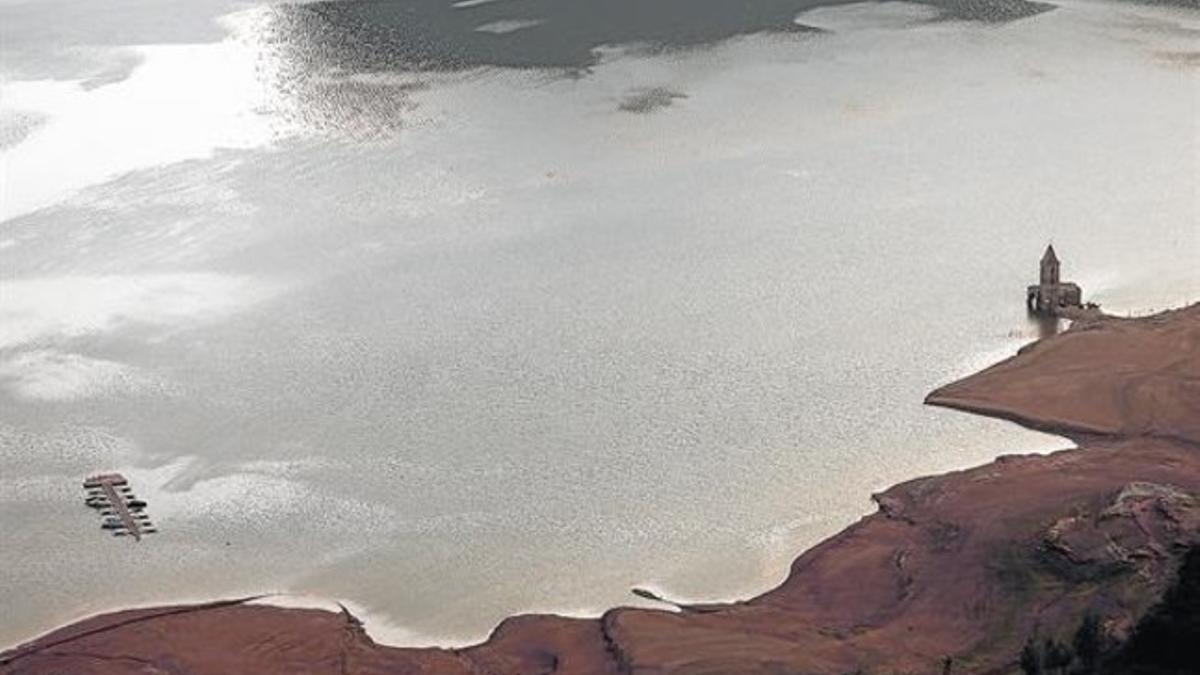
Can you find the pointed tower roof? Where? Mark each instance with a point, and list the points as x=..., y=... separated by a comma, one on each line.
x=1049, y=255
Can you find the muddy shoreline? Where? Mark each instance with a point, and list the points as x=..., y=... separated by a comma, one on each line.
x=958, y=568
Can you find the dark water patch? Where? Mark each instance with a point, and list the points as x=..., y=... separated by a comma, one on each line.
x=649, y=100
x=444, y=35
x=988, y=11
x=321, y=46
x=419, y=35
x=1186, y=4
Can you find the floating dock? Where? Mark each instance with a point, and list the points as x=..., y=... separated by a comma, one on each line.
x=123, y=513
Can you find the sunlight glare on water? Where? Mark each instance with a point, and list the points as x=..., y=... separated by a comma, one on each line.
x=518, y=318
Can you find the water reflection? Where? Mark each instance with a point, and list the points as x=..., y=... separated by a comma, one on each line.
x=350, y=67
x=1047, y=326
x=548, y=340
x=312, y=93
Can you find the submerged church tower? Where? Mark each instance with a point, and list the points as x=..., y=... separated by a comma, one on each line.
x=1050, y=267
x=1051, y=296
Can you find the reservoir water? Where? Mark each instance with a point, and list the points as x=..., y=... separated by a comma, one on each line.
x=453, y=310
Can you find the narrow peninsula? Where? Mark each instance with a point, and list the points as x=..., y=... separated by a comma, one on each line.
x=953, y=574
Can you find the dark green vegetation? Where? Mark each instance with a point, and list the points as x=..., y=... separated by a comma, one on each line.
x=1166, y=641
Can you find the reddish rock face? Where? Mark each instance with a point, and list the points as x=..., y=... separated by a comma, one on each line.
x=962, y=566
x=1107, y=376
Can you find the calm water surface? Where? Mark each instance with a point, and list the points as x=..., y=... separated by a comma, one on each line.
x=455, y=310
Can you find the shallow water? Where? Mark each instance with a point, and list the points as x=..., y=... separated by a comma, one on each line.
x=451, y=340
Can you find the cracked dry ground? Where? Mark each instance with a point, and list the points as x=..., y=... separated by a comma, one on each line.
x=963, y=565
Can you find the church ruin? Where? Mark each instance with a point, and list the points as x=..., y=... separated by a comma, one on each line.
x=1052, y=296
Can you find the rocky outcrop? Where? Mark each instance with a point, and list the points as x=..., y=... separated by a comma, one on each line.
x=957, y=570
x=1136, y=533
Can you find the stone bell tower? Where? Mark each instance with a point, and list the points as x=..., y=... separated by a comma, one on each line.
x=1050, y=265
x=1051, y=296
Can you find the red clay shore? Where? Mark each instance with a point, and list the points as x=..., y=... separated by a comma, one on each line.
x=963, y=566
